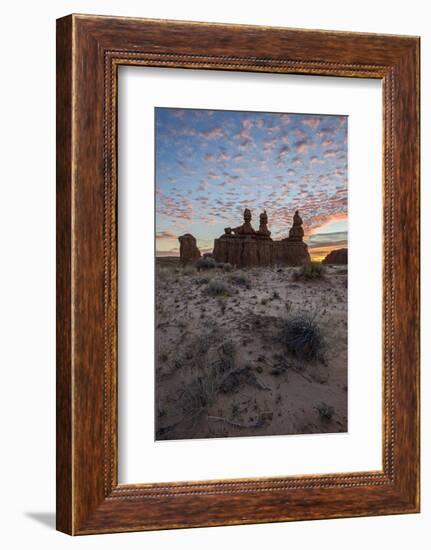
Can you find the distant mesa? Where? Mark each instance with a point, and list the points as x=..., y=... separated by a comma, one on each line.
x=336, y=257
x=189, y=252
x=243, y=246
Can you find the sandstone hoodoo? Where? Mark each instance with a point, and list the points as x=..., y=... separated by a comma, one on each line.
x=189, y=252
x=336, y=257
x=243, y=246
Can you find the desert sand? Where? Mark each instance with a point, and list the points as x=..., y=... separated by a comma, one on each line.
x=223, y=364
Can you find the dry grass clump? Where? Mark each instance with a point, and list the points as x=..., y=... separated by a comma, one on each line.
x=302, y=337
x=189, y=270
x=310, y=271
x=205, y=263
x=240, y=279
x=326, y=412
x=200, y=393
x=216, y=288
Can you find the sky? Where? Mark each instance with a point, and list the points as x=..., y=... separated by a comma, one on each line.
x=211, y=165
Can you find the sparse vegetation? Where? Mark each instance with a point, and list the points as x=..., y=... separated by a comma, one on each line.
x=302, y=336
x=312, y=270
x=222, y=376
x=203, y=279
x=189, y=270
x=326, y=412
x=205, y=263
x=230, y=341
x=216, y=287
x=227, y=355
x=200, y=393
x=240, y=279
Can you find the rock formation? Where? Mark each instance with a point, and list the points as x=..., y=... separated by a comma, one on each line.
x=189, y=252
x=263, y=227
x=297, y=251
x=336, y=257
x=296, y=233
x=246, y=228
x=244, y=247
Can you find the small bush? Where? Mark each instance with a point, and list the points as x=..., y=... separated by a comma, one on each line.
x=203, y=280
x=227, y=267
x=163, y=274
x=227, y=354
x=197, y=396
x=313, y=270
x=205, y=263
x=189, y=270
x=240, y=279
x=302, y=337
x=326, y=412
x=200, y=394
x=217, y=288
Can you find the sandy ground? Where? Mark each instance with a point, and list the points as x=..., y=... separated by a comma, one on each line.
x=222, y=365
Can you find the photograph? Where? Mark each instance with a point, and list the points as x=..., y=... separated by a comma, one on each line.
x=251, y=273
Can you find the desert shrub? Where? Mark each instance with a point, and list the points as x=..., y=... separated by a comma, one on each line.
x=200, y=393
x=240, y=279
x=217, y=288
x=227, y=267
x=203, y=280
x=326, y=412
x=275, y=295
x=163, y=274
x=302, y=336
x=227, y=356
x=189, y=270
x=312, y=270
x=222, y=304
x=205, y=263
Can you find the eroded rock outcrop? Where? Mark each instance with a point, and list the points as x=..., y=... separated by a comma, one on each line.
x=243, y=246
x=336, y=257
x=189, y=252
x=296, y=251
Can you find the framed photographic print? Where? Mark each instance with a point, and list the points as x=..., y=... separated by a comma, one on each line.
x=237, y=274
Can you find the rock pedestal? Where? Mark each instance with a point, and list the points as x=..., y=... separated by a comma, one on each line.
x=189, y=252
x=244, y=247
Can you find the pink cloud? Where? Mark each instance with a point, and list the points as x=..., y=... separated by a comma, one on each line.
x=311, y=122
x=269, y=144
x=214, y=133
x=282, y=154
x=302, y=146
x=223, y=156
x=166, y=235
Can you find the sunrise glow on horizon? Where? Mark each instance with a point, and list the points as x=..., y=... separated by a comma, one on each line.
x=210, y=165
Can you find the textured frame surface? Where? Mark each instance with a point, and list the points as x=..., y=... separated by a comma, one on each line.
x=89, y=51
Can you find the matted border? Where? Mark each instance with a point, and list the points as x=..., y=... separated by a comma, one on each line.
x=90, y=49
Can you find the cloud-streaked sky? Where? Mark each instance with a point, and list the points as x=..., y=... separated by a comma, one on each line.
x=210, y=165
